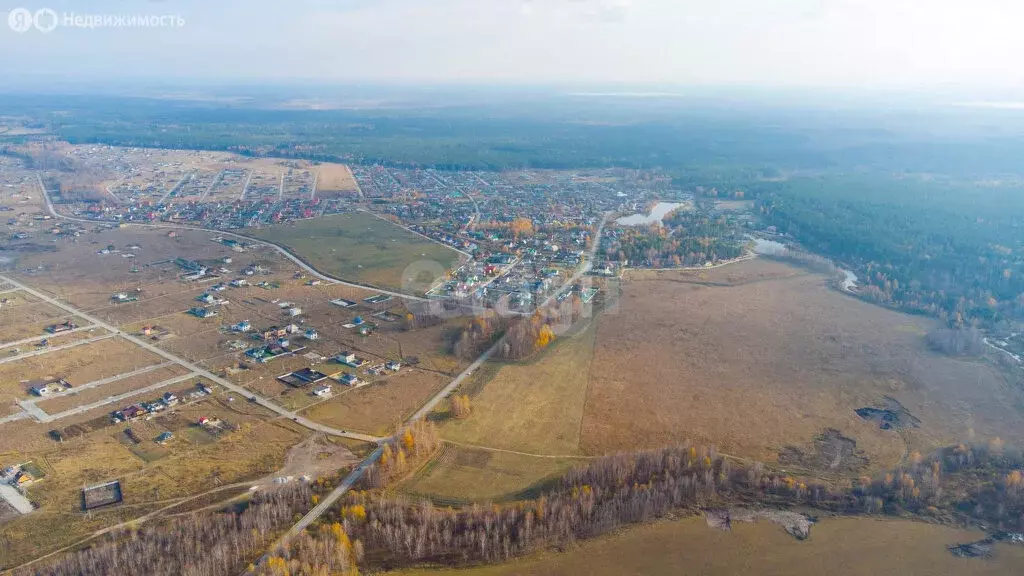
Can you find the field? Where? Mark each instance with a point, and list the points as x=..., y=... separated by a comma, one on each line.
x=362, y=248
x=24, y=316
x=79, y=365
x=462, y=475
x=115, y=388
x=152, y=476
x=533, y=406
x=763, y=360
x=838, y=547
x=378, y=408
x=334, y=180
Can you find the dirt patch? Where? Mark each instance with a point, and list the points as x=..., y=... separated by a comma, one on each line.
x=795, y=524
x=890, y=415
x=830, y=451
x=979, y=549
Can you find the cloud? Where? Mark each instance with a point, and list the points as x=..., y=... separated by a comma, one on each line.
x=578, y=10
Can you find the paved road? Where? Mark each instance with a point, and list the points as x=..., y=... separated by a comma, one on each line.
x=433, y=402
x=306, y=267
x=194, y=368
x=13, y=417
x=357, y=473
x=113, y=399
x=176, y=187
x=35, y=339
x=588, y=263
x=96, y=383
x=329, y=500
x=49, y=349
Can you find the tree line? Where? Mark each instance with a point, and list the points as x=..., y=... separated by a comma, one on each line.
x=200, y=544
x=963, y=484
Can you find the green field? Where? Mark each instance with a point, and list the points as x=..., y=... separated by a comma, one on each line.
x=460, y=475
x=534, y=406
x=363, y=248
x=839, y=547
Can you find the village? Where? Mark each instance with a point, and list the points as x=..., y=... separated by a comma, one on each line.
x=523, y=234
x=155, y=300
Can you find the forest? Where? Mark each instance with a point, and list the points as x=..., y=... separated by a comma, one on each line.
x=960, y=485
x=946, y=248
x=685, y=238
x=705, y=141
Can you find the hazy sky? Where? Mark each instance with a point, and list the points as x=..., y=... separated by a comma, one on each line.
x=858, y=43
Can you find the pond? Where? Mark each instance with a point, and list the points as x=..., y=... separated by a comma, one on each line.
x=660, y=210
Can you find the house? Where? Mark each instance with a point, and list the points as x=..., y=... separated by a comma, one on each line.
x=293, y=312
x=322, y=391
x=170, y=399
x=349, y=359
x=202, y=312
x=291, y=329
x=358, y=320
x=164, y=437
x=132, y=412
x=393, y=366
x=243, y=326
x=274, y=332
x=204, y=389
x=46, y=388
x=349, y=379
x=62, y=327
x=312, y=334
x=283, y=342
x=123, y=297
x=376, y=370
x=203, y=421
x=303, y=378
x=239, y=282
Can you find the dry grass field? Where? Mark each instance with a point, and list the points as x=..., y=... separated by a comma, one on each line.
x=79, y=365
x=760, y=356
x=115, y=388
x=462, y=475
x=334, y=180
x=838, y=547
x=25, y=316
x=376, y=409
x=152, y=476
x=535, y=406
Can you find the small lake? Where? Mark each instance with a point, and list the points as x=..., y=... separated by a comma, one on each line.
x=773, y=248
x=660, y=210
x=769, y=247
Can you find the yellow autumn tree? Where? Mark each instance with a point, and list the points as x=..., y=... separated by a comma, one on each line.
x=545, y=337
x=522, y=227
x=461, y=406
x=408, y=440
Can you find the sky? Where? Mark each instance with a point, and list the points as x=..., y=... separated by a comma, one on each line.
x=887, y=44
